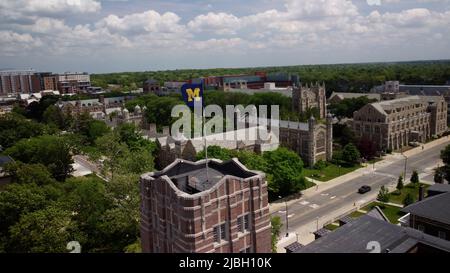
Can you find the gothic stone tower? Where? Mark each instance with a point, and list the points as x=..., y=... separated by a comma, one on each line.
x=307, y=97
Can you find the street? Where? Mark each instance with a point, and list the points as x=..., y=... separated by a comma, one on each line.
x=312, y=211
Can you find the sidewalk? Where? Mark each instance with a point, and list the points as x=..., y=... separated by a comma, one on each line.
x=387, y=160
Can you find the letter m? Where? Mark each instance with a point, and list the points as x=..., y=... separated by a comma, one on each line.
x=193, y=94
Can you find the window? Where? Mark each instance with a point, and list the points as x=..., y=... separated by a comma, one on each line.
x=442, y=235
x=223, y=232
x=216, y=232
x=243, y=223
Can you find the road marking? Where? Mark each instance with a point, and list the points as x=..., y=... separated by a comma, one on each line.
x=304, y=203
x=325, y=194
x=332, y=197
x=291, y=215
x=314, y=206
x=282, y=211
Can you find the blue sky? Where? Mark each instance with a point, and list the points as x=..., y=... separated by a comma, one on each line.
x=135, y=35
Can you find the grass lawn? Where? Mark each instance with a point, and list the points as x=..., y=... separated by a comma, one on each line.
x=391, y=212
x=356, y=214
x=332, y=227
x=330, y=172
x=396, y=197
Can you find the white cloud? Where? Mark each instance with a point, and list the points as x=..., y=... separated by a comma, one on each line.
x=220, y=23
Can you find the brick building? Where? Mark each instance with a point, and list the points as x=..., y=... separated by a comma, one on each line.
x=308, y=97
x=73, y=82
x=19, y=82
x=184, y=210
x=151, y=86
x=394, y=124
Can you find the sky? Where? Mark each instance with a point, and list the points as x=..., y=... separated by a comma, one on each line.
x=100, y=36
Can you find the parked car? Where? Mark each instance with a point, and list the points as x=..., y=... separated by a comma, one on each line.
x=364, y=189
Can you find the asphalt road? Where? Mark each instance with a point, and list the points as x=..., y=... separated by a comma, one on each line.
x=321, y=206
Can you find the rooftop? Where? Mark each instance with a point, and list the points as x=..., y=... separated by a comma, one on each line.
x=436, y=208
x=354, y=237
x=384, y=106
x=355, y=95
x=192, y=178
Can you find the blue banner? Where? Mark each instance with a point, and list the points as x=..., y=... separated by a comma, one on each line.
x=192, y=93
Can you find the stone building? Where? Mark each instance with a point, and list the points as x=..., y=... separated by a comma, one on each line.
x=307, y=97
x=151, y=86
x=188, y=208
x=395, y=123
x=312, y=141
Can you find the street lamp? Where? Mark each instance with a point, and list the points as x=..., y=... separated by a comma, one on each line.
x=406, y=162
x=287, y=219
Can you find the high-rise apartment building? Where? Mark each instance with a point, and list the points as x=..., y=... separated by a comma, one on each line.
x=191, y=208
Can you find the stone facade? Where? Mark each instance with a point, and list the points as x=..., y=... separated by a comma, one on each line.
x=312, y=141
x=182, y=211
x=395, y=123
x=308, y=97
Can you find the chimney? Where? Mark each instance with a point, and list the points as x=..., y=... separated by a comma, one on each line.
x=166, y=130
x=421, y=193
x=152, y=129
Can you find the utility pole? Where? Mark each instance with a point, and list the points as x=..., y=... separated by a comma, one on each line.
x=287, y=218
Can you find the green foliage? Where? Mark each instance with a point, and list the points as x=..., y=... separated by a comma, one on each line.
x=337, y=77
x=29, y=173
x=343, y=134
x=286, y=171
x=51, y=151
x=439, y=175
x=409, y=199
x=54, y=116
x=346, y=107
x=350, y=155
x=400, y=184
x=28, y=234
x=445, y=170
x=282, y=167
x=320, y=165
x=276, y=225
x=18, y=199
x=383, y=195
x=217, y=152
x=415, y=178
x=14, y=127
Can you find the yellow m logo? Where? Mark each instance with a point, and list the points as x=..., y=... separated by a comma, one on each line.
x=193, y=94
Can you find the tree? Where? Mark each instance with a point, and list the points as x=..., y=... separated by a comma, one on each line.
x=29, y=173
x=350, y=154
x=53, y=115
x=400, y=184
x=445, y=156
x=415, y=178
x=286, y=170
x=18, y=199
x=50, y=151
x=383, y=195
x=276, y=225
x=44, y=231
x=96, y=129
x=14, y=128
x=216, y=152
x=439, y=175
x=367, y=148
x=408, y=200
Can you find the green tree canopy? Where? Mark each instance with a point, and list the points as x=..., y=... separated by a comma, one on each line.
x=350, y=154
x=50, y=151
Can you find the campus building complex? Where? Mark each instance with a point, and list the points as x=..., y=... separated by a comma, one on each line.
x=394, y=124
x=191, y=208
